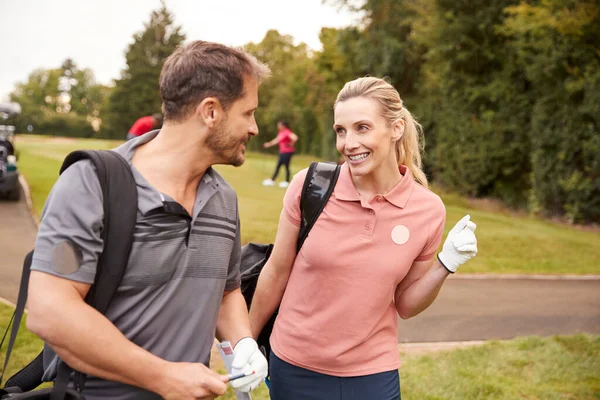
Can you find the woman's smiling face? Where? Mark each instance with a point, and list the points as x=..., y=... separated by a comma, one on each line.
x=365, y=138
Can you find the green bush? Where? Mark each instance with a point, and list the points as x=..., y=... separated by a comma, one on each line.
x=70, y=125
x=558, y=42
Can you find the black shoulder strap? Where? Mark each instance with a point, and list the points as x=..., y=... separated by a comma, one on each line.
x=318, y=186
x=119, y=193
x=18, y=313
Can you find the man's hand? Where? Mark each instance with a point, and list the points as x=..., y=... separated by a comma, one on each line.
x=191, y=381
x=247, y=358
x=460, y=245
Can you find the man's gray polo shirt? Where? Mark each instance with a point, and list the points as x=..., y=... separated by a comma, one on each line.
x=179, y=267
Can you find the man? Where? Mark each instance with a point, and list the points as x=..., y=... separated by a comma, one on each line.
x=144, y=125
x=182, y=282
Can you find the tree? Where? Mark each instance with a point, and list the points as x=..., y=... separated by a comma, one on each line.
x=37, y=96
x=384, y=46
x=558, y=46
x=478, y=100
x=284, y=95
x=63, y=100
x=85, y=95
x=136, y=93
x=337, y=63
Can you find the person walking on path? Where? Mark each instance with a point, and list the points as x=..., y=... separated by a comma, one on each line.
x=370, y=256
x=285, y=139
x=182, y=282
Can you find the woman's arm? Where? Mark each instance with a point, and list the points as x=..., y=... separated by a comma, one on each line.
x=271, y=143
x=419, y=288
x=274, y=276
x=424, y=280
x=293, y=137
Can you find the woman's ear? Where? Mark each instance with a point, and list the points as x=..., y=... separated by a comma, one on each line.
x=398, y=130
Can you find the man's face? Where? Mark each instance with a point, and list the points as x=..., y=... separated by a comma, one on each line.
x=228, y=139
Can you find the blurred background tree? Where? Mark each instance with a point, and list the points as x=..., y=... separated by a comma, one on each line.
x=63, y=101
x=557, y=44
x=508, y=92
x=136, y=94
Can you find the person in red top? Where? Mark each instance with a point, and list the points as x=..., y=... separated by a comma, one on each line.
x=286, y=140
x=143, y=125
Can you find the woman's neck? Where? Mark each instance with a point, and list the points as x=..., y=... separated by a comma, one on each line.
x=379, y=182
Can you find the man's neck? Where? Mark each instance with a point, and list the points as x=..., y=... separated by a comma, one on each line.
x=174, y=162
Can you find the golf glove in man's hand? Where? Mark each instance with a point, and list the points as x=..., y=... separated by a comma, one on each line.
x=460, y=245
x=247, y=358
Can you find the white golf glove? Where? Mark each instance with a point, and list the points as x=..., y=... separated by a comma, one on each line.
x=460, y=245
x=247, y=358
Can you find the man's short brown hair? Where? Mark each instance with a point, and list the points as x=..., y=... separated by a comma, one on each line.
x=205, y=69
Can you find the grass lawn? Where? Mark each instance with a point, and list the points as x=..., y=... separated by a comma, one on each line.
x=508, y=243
x=559, y=367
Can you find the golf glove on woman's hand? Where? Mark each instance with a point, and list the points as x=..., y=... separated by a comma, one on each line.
x=460, y=245
x=247, y=358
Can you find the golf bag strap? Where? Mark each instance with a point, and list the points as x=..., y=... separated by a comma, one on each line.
x=19, y=310
x=318, y=186
x=61, y=382
x=119, y=193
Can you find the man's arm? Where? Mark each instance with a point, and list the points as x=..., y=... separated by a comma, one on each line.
x=83, y=337
x=233, y=323
x=88, y=342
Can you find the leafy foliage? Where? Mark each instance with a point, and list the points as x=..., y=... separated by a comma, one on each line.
x=508, y=91
x=136, y=93
x=64, y=101
x=558, y=46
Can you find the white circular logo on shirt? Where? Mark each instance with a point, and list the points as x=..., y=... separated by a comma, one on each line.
x=400, y=234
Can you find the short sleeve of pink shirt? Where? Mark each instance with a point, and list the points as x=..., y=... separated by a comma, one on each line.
x=436, y=231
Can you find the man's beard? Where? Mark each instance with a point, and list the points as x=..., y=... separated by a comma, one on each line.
x=224, y=146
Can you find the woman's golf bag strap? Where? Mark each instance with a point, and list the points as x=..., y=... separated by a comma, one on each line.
x=318, y=186
x=119, y=193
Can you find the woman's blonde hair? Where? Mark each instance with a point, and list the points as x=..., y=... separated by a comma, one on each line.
x=410, y=145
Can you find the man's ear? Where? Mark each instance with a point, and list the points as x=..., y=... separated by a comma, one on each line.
x=210, y=111
x=398, y=130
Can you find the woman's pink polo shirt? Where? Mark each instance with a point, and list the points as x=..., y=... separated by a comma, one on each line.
x=337, y=315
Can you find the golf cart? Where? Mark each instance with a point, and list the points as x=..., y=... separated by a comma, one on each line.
x=9, y=175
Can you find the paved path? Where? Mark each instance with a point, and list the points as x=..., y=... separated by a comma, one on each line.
x=466, y=309
x=479, y=309
x=17, y=237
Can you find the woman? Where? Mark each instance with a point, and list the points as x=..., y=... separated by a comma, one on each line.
x=370, y=256
x=286, y=140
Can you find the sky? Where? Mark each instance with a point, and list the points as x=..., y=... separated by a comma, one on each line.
x=96, y=33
